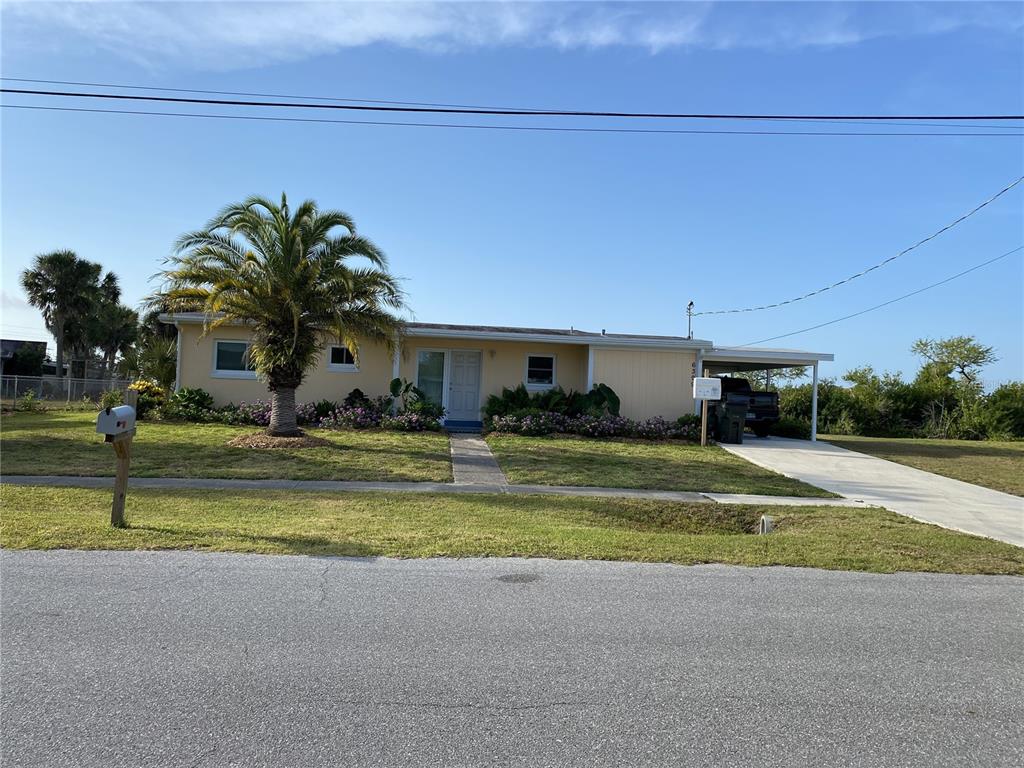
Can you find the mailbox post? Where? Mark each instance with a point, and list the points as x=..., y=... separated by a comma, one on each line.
x=706, y=388
x=117, y=425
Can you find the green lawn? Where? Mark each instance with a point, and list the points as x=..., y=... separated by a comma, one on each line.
x=993, y=464
x=65, y=443
x=422, y=525
x=670, y=466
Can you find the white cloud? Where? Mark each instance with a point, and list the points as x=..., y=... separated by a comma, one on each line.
x=236, y=35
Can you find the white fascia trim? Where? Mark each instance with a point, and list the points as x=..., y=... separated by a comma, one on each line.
x=727, y=355
x=544, y=338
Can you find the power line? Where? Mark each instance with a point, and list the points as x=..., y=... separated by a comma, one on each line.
x=527, y=110
x=527, y=128
x=477, y=111
x=882, y=263
x=891, y=301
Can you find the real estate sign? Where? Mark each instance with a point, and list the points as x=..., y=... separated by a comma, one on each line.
x=707, y=388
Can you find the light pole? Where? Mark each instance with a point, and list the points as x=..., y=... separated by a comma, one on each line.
x=689, y=320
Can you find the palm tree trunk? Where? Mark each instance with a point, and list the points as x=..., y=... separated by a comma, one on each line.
x=58, y=338
x=283, y=422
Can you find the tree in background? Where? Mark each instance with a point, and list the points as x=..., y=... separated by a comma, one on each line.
x=963, y=354
x=152, y=358
x=64, y=288
x=954, y=405
x=113, y=327
x=781, y=377
x=289, y=277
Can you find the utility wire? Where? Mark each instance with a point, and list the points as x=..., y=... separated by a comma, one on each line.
x=530, y=110
x=476, y=111
x=872, y=268
x=891, y=301
x=528, y=128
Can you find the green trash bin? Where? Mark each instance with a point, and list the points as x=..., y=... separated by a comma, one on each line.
x=732, y=418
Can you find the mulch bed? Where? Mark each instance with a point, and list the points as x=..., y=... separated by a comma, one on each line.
x=263, y=442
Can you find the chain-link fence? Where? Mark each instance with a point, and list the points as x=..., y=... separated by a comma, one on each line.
x=54, y=390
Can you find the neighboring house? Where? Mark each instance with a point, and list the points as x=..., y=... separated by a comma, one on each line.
x=460, y=365
x=22, y=358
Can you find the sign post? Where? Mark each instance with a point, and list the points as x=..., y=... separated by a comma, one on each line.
x=706, y=388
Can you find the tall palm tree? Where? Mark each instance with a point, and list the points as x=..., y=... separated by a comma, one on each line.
x=64, y=288
x=290, y=278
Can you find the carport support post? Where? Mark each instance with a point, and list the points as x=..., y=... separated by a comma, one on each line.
x=814, y=403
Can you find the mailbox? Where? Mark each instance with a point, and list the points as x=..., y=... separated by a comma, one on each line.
x=116, y=420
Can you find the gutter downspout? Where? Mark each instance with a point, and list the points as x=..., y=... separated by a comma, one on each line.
x=177, y=362
x=396, y=367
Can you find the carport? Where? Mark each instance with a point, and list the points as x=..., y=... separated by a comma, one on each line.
x=719, y=360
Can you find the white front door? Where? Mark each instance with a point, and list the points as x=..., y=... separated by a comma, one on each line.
x=464, y=386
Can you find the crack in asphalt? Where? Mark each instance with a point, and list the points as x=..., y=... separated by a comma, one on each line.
x=500, y=707
x=323, y=585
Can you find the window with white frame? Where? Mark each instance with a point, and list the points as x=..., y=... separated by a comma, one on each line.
x=340, y=358
x=231, y=360
x=540, y=371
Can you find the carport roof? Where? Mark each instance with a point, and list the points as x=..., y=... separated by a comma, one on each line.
x=730, y=359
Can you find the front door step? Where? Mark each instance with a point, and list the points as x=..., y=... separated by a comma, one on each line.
x=463, y=426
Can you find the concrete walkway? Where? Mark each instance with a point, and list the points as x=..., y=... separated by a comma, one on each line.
x=341, y=486
x=472, y=461
x=880, y=483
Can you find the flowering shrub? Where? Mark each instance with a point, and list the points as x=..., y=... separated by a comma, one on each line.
x=352, y=417
x=410, y=421
x=258, y=412
x=150, y=396
x=530, y=422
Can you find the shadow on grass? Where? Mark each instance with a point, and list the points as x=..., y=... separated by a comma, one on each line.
x=161, y=455
x=909, y=447
x=684, y=469
x=296, y=544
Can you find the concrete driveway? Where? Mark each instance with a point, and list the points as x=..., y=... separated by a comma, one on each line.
x=187, y=659
x=908, y=491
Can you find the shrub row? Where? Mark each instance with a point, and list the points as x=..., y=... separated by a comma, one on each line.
x=356, y=412
x=530, y=422
x=599, y=401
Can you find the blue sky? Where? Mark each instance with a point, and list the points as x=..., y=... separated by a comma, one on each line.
x=615, y=231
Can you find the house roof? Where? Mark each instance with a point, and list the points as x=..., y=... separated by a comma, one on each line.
x=715, y=358
x=514, y=333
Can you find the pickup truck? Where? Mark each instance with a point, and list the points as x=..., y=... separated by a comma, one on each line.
x=762, y=407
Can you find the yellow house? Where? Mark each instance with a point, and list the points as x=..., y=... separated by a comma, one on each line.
x=458, y=366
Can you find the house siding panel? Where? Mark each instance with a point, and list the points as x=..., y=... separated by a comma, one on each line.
x=196, y=368
x=648, y=382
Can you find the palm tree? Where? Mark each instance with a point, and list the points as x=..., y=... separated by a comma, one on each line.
x=153, y=357
x=115, y=330
x=113, y=327
x=289, y=277
x=64, y=288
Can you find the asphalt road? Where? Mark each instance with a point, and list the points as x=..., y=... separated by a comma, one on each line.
x=185, y=659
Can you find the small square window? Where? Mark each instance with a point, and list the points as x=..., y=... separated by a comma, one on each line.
x=341, y=356
x=231, y=358
x=341, y=359
x=540, y=370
